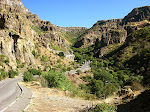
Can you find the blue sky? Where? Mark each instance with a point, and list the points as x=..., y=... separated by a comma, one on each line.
x=81, y=13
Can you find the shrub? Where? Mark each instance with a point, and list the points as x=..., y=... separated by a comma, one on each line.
x=3, y=74
x=44, y=58
x=20, y=66
x=96, y=87
x=7, y=61
x=35, y=71
x=54, y=69
x=34, y=53
x=18, y=62
x=2, y=58
x=86, y=78
x=57, y=80
x=69, y=68
x=103, y=75
x=76, y=92
x=59, y=66
x=61, y=54
x=64, y=69
x=27, y=77
x=58, y=61
x=104, y=107
x=12, y=73
x=79, y=72
x=47, y=68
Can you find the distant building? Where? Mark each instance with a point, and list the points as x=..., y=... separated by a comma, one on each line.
x=69, y=55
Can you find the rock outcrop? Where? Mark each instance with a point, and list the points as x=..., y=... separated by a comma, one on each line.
x=137, y=14
x=103, y=33
x=115, y=31
x=108, y=32
x=14, y=6
x=21, y=32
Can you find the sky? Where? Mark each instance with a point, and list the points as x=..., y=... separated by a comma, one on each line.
x=81, y=13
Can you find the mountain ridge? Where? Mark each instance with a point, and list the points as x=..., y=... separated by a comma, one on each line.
x=114, y=31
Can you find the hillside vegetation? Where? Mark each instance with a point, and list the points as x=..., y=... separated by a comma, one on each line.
x=119, y=51
x=127, y=64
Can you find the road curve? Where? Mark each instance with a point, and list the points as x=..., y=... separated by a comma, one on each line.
x=12, y=99
x=83, y=68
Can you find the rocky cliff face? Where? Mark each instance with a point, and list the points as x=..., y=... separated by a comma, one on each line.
x=103, y=33
x=16, y=38
x=115, y=31
x=137, y=14
x=14, y=6
x=21, y=32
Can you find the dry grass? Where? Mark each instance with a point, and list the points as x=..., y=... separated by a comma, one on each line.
x=54, y=100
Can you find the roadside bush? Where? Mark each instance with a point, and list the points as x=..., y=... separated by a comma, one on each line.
x=57, y=80
x=27, y=77
x=35, y=71
x=3, y=74
x=12, y=73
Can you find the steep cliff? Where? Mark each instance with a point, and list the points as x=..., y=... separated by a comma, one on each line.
x=21, y=32
x=137, y=14
x=107, y=34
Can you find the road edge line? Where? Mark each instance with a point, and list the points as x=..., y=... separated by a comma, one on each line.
x=29, y=103
x=15, y=100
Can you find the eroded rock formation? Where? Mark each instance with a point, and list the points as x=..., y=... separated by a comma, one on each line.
x=21, y=31
x=114, y=31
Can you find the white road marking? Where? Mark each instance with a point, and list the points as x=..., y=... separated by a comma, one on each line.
x=3, y=85
x=13, y=101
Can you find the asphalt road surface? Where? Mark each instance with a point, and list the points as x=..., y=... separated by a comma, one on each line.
x=13, y=97
x=84, y=68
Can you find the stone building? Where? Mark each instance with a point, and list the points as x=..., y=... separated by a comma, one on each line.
x=69, y=55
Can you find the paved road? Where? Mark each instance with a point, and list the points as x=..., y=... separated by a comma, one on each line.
x=84, y=68
x=12, y=99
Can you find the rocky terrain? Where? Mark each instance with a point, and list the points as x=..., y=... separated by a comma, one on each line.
x=25, y=39
x=114, y=32
x=21, y=32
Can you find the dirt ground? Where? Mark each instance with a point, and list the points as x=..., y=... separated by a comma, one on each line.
x=54, y=100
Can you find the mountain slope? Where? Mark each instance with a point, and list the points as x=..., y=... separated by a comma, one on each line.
x=108, y=34
x=134, y=54
x=23, y=33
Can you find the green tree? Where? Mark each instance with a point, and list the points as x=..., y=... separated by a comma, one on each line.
x=96, y=87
